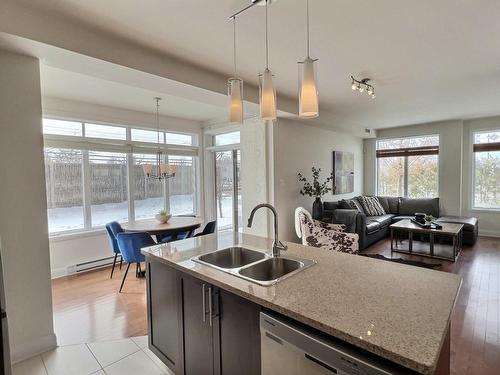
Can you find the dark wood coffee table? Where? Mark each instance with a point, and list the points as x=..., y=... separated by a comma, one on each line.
x=452, y=230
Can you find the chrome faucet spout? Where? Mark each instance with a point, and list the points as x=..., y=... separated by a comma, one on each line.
x=277, y=244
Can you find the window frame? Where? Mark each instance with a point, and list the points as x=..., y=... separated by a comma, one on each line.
x=405, y=156
x=472, y=179
x=129, y=148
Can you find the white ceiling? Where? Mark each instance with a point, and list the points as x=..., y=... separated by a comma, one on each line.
x=64, y=84
x=430, y=60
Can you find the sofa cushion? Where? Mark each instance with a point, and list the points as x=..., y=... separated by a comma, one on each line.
x=390, y=204
x=372, y=226
x=371, y=205
x=383, y=220
x=409, y=206
x=401, y=217
x=330, y=206
x=355, y=205
x=470, y=223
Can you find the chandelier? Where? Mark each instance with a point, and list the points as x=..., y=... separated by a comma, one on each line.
x=160, y=170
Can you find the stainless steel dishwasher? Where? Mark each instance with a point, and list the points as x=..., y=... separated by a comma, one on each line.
x=289, y=349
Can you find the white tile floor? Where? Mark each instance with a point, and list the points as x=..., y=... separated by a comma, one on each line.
x=118, y=357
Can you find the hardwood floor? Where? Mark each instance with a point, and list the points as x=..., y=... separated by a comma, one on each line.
x=88, y=307
x=475, y=326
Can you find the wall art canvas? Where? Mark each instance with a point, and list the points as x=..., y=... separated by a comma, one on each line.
x=343, y=172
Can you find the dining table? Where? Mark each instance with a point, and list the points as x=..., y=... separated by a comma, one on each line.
x=174, y=226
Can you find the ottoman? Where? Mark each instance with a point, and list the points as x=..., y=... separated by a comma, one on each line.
x=470, y=230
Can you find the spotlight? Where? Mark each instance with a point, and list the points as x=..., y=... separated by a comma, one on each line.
x=362, y=86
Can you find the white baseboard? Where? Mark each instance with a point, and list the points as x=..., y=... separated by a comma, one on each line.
x=32, y=348
x=489, y=233
x=58, y=272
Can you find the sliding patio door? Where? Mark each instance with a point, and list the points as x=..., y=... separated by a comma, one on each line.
x=228, y=190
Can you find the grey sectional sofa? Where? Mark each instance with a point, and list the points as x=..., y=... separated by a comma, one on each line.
x=373, y=228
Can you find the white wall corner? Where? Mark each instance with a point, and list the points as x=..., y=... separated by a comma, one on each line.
x=34, y=347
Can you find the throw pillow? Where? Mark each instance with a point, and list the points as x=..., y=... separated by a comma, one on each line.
x=371, y=206
x=355, y=205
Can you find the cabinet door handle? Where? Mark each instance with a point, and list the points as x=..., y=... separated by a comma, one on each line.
x=210, y=305
x=203, y=309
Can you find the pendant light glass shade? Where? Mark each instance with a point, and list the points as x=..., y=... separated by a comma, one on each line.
x=267, y=96
x=308, y=92
x=235, y=95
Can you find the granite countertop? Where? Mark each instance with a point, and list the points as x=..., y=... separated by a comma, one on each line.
x=399, y=312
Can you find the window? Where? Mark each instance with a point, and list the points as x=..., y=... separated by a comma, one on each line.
x=64, y=179
x=150, y=136
x=227, y=139
x=105, y=131
x=91, y=184
x=149, y=195
x=408, y=166
x=179, y=139
x=486, y=170
x=108, y=187
x=59, y=127
x=182, y=188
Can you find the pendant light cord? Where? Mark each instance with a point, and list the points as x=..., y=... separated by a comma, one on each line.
x=307, y=13
x=158, y=121
x=267, y=41
x=234, y=45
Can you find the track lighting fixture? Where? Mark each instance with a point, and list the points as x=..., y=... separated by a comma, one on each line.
x=362, y=85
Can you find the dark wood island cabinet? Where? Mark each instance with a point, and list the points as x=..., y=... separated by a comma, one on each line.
x=196, y=328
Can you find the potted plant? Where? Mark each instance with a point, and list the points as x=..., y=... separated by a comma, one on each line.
x=163, y=216
x=316, y=189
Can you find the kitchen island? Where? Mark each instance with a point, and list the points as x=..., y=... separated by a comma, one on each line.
x=203, y=320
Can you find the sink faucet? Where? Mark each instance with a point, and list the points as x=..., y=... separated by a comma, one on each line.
x=277, y=244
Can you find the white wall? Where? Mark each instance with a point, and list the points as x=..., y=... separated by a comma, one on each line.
x=455, y=166
x=256, y=165
x=297, y=147
x=450, y=160
x=23, y=210
x=67, y=251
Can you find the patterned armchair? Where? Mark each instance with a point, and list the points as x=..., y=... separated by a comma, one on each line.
x=324, y=235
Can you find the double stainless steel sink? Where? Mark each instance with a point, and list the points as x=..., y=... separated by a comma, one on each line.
x=253, y=265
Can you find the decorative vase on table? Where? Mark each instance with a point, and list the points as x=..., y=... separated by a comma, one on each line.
x=316, y=189
x=317, y=211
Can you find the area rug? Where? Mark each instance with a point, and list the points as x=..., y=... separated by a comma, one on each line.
x=404, y=261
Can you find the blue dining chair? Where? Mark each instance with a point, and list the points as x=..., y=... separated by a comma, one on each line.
x=112, y=230
x=130, y=244
x=209, y=228
x=180, y=235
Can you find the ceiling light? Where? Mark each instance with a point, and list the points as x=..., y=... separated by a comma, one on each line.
x=308, y=92
x=267, y=94
x=362, y=85
x=235, y=88
x=160, y=170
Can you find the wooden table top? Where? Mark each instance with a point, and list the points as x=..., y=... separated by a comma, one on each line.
x=448, y=228
x=153, y=226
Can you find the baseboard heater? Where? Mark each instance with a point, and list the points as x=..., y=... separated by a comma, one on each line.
x=91, y=265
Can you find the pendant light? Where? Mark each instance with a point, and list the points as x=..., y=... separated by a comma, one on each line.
x=267, y=94
x=160, y=170
x=235, y=88
x=308, y=92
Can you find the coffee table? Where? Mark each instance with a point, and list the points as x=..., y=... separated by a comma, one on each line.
x=452, y=230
